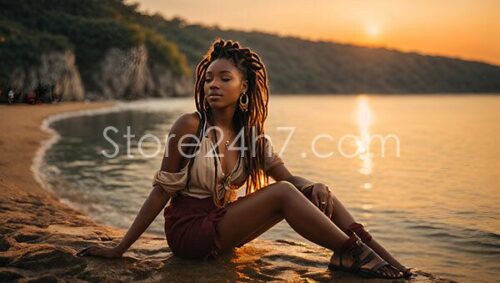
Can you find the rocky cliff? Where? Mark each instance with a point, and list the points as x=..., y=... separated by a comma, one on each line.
x=133, y=74
x=92, y=50
x=122, y=74
x=56, y=69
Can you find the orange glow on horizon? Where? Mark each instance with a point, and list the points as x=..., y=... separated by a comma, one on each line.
x=466, y=29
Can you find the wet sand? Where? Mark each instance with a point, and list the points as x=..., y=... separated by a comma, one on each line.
x=40, y=236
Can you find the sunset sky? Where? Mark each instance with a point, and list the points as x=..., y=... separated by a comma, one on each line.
x=460, y=28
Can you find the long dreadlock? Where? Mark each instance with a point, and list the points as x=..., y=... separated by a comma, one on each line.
x=253, y=70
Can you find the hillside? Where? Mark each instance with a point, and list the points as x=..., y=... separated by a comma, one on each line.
x=87, y=49
x=90, y=49
x=301, y=66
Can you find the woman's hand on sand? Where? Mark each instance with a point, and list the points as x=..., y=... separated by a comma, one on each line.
x=101, y=251
x=321, y=197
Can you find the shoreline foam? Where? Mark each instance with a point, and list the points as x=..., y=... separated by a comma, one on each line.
x=162, y=105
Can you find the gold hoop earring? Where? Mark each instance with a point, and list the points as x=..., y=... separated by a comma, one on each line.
x=244, y=102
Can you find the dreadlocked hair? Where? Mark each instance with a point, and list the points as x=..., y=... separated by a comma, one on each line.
x=252, y=121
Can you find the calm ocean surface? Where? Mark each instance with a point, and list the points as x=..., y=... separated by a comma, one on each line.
x=436, y=206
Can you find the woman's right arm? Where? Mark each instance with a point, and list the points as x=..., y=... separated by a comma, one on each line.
x=155, y=202
x=158, y=198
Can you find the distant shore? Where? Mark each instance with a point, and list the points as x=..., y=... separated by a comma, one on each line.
x=39, y=235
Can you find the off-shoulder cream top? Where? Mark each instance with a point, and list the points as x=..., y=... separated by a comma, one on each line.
x=203, y=183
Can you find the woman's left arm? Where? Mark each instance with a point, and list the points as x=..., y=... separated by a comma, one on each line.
x=317, y=193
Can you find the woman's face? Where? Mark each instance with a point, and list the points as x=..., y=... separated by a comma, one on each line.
x=223, y=84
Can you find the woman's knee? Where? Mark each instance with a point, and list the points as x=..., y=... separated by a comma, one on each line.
x=285, y=189
x=336, y=201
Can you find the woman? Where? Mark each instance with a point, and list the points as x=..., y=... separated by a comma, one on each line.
x=204, y=218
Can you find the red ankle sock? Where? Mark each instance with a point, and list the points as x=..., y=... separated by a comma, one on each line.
x=359, y=229
x=349, y=244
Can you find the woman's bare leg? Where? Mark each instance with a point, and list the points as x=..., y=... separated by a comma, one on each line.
x=244, y=217
x=251, y=216
x=343, y=219
x=263, y=228
x=341, y=216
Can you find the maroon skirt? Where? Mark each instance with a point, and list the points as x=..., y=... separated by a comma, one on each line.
x=191, y=227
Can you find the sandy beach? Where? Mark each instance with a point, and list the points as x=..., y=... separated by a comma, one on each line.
x=40, y=236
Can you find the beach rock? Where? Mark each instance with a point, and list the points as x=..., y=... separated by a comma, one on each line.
x=8, y=275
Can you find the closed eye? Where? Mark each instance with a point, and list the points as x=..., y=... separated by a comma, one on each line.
x=223, y=79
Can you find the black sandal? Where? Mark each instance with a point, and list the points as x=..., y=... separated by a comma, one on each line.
x=407, y=273
x=362, y=260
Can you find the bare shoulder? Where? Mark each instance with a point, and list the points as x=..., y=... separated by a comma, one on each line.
x=187, y=123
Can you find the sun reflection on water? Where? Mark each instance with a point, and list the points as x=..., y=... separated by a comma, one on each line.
x=364, y=121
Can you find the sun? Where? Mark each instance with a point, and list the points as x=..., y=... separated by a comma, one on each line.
x=373, y=30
